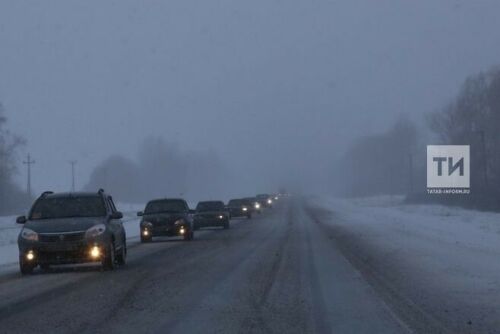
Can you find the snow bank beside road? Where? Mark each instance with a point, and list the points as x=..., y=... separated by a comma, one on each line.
x=448, y=224
x=443, y=259
x=9, y=231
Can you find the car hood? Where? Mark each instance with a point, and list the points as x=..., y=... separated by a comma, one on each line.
x=163, y=218
x=63, y=224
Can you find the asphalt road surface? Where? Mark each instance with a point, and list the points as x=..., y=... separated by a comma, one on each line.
x=280, y=272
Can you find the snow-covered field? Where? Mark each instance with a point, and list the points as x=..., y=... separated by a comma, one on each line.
x=449, y=225
x=445, y=259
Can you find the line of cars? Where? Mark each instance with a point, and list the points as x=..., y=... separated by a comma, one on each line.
x=72, y=228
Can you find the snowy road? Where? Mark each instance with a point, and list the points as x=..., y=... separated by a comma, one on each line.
x=277, y=273
x=307, y=266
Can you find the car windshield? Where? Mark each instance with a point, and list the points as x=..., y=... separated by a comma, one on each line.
x=165, y=207
x=66, y=207
x=210, y=206
x=236, y=202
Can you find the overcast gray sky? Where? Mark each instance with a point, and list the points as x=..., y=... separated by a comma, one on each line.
x=267, y=84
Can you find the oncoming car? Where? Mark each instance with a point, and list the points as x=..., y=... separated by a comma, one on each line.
x=166, y=217
x=70, y=228
x=211, y=213
x=240, y=208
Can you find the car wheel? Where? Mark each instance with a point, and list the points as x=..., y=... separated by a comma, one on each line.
x=121, y=258
x=146, y=239
x=26, y=268
x=108, y=262
x=226, y=225
x=189, y=236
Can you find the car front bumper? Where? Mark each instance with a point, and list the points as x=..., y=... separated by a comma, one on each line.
x=63, y=253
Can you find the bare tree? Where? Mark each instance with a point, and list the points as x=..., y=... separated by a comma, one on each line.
x=473, y=118
x=11, y=197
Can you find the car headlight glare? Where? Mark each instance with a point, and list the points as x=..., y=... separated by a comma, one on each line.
x=244, y=209
x=30, y=256
x=257, y=205
x=95, y=231
x=95, y=252
x=29, y=234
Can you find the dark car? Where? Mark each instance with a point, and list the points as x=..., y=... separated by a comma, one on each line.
x=265, y=200
x=240, y=208
x=254, y=204
x=69, y=228
x=211, y=213
x=168, y=217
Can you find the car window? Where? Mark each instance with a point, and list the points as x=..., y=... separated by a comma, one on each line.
x=210, y=206
x=65, y=207
x=166, y=206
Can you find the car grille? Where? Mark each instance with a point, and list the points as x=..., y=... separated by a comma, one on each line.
x=62, y=237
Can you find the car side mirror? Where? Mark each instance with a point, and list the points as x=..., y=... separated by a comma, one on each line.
x=21, y=220
x=140, y=214
x=117, y=215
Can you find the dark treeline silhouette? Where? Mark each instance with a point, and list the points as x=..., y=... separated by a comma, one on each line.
x=161, y=170
x=12, y=198
x=380, y=163
x=394, y=162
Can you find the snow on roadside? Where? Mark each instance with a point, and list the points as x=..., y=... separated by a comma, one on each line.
x=449, y=224
x=445, y=259
x=9, y=231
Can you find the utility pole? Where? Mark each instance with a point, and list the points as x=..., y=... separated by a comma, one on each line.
x=73, y=163
x=28, y=163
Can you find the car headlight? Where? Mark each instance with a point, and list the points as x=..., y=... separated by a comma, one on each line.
x=95, y=231
x=257, y=205
x=221, y=217
x=244, y=209
x=269, y=201
x=29, y=234
x=179, y=222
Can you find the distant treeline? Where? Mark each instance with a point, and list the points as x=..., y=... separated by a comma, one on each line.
x=161, y=169
x=12, y=198
x=394, y=162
